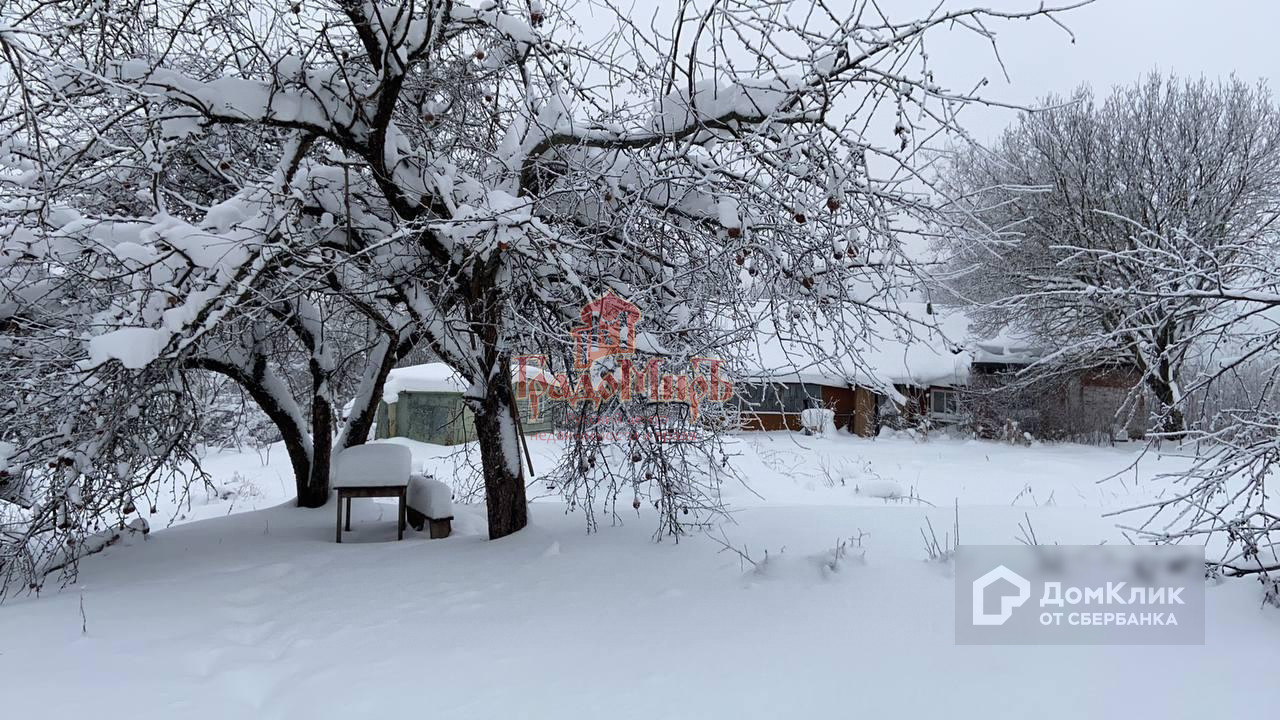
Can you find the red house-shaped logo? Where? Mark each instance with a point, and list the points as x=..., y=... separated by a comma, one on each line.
x=608, y=328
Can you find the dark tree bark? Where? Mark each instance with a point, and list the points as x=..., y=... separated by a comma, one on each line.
x=495, y=421
x=315, y=492
x=1162, y=378
x=1172, y=422
x=499, y=440
x=362, y=418
x=296, y=439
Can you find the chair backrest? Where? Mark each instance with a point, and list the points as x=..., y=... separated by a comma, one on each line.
x=373, y=464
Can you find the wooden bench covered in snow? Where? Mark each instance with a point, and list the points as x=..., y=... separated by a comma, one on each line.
x=373, y=470
x=430, y=506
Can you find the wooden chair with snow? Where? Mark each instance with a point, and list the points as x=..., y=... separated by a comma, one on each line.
x=369, y=471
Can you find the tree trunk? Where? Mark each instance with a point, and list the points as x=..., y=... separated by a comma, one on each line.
x=1171, y=422
x=314, y=492
x=364, y=409
x=258, y=382
x=1163, y=381
x=499, y=441
x=295, y=442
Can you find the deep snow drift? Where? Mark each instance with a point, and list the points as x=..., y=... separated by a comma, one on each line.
x=260, y=614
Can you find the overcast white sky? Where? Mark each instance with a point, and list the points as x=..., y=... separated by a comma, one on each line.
x=1117, y=41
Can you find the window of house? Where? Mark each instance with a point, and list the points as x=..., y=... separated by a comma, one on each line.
x=777, y=397
x=944, y=403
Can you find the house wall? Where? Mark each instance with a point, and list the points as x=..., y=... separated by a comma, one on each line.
x=385, y=421
x=437, y=418
x=910, y=414
x=854, y=408
x=769, y=421
x=865, y=422
x=545, y=412
x=774, y=406
x=843, y=401
x=915, y=409
x=766, y=414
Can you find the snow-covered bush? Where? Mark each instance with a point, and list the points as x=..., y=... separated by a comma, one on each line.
x=1270, y=589
x=818, y=421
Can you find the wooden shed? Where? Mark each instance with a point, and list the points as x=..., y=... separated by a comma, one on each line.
x=424, y=403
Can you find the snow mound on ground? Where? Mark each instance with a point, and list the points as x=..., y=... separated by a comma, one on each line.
x=818, y=421
x=884, y=489
x=831, y=564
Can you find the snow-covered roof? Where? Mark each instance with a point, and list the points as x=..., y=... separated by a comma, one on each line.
x=907, y=345
x=1005, y=353
x=427, y=377
x=436, y=377
x=930, y=350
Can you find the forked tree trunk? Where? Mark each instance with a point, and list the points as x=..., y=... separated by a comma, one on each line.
x=297, y=441
x=499, y=441
x=310, y=451
x=298, y=447
x=364, y=410
x=314, y=492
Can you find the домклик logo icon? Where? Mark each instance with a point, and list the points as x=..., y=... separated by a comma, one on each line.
x=1007, y=602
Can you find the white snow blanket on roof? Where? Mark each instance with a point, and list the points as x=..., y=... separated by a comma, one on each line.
x=439, y=377
x=373, y=464
x=907, y=347
x=428, y=377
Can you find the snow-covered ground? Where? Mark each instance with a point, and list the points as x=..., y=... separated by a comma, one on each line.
x=247, y=608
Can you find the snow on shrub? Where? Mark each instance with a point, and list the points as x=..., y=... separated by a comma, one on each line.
x=884, y=489
x=818, y=421
x=781, y=565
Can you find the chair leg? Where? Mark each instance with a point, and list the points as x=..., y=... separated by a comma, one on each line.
x=348, y=514
x=400, y=523
x=337, y=502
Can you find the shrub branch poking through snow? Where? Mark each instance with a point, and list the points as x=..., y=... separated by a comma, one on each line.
x=943, y=551
x=825, y=565
x=1270, y=589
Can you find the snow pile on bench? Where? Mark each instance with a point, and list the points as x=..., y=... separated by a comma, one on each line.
x=373, y=464
x=430, y=506
x=431, y=497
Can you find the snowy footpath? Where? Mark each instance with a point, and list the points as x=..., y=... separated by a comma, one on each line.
x=248, y=609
